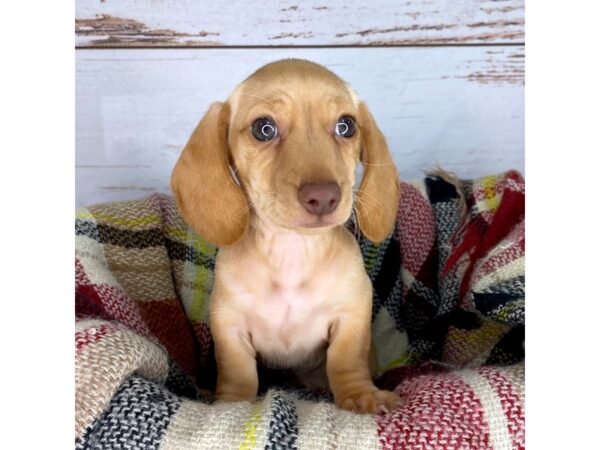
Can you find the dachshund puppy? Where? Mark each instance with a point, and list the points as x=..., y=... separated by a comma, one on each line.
x=268, y=177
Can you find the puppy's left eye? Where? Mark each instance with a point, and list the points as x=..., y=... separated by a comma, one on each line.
x=345, y=127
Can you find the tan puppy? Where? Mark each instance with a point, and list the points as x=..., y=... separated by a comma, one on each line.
x=290, y=285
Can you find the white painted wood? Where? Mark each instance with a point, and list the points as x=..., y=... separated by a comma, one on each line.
x=294, y=22
x=459, y=107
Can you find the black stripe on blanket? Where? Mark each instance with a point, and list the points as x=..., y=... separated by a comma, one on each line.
x=136, y=418
x=106, y=234
x=510, y=349
x=283, y=426
x=153, y=237
x=183, y=252
x=388, y=283
x=384, y=274
x=493, y=298
x=179, y=383
x=439, y=190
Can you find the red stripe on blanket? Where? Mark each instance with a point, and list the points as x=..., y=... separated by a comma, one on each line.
x=109, y=303
x=105, y=302
x=514, y=250
x=392, y=378
x=90, y=335
x=204, y=339
x=416, y=228
x=81, y=277
x=441, y=412
x=480, y=236
x=168, y=322
x=511, y=404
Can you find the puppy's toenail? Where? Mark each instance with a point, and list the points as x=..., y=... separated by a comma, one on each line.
x=382, y=409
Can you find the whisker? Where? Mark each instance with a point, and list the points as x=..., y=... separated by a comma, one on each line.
x=357, y=219
x=368, y=200
x=367, y=203
x=245, y=210
x=358, y=227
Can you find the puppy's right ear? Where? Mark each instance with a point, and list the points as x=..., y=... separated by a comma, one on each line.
x=208, y=197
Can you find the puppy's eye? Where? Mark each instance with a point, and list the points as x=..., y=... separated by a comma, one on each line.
x=264, y=129
x=345, y=127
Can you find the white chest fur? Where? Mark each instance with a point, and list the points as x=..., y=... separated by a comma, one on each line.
x=285, y=301
x=289, y=325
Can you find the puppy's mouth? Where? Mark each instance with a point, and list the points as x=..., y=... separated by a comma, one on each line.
x=318, y=222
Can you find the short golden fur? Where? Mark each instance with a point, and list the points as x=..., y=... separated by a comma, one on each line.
x=290, y=285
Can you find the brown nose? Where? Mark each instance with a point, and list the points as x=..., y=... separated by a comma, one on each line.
x=319, y=198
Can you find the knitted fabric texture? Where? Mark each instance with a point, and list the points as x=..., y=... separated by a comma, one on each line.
x=448, y=324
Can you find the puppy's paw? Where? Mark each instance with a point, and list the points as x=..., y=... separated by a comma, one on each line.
x=372, y=402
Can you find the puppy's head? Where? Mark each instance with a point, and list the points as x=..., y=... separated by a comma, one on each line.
x=292, y=133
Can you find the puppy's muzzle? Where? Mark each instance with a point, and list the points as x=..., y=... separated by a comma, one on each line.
x=319, y=198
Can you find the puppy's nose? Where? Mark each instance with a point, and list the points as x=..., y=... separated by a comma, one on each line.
x=319, y=198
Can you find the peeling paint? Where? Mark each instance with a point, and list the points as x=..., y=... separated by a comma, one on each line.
x=505, y=69
x=497, y=24
x=503, y=9
x=126, y=188
x=307, y=34
x=413, y=23
x=398, y=29
x=475, y=38
x=111, y=30
x=494, y=77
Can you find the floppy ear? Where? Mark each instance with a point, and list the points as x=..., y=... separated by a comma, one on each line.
x=379, y=192
x=206, y=193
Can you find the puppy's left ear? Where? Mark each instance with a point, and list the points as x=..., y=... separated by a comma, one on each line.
x=207, y=195
x=379, y=192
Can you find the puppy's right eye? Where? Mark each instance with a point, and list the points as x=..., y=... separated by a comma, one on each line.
x=264, y=129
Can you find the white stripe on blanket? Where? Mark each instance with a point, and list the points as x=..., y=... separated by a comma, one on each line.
x=103, y=365
x=500, y=438
x=198, y=426
x=323, y=425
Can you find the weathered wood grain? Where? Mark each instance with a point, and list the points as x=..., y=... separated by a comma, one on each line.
x=147, y=23
x=459, y=107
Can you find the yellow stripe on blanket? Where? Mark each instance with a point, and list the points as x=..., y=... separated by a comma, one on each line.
x=398, y=362
x=492, y=199
x=201, y=278
x=178, y=233
x=84, y=214
x=506, y=310
x=250, y=428
x=370, y=258
x=116, y=220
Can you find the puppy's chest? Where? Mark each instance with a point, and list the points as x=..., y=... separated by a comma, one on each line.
x=287, y=307
x=288, y=323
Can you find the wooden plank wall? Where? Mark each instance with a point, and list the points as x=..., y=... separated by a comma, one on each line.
x=444, y=79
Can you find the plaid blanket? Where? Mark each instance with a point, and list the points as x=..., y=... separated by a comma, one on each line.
x=448, y=325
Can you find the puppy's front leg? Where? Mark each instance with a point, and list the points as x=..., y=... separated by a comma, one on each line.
x=237, y=378
x=348, y=367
